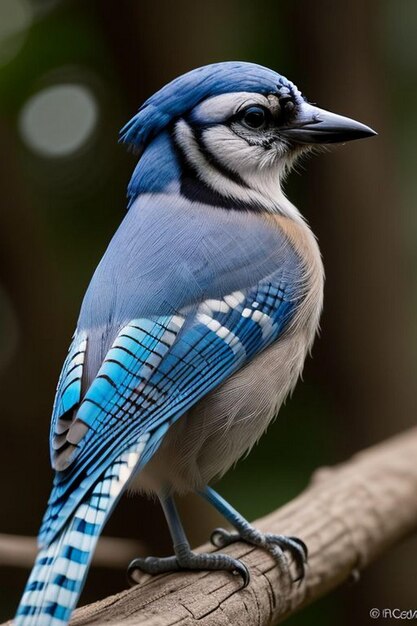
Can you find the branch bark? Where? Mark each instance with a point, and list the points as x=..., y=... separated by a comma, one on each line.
x=348, y=515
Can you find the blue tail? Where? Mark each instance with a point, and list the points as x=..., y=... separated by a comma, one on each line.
x=58, y=575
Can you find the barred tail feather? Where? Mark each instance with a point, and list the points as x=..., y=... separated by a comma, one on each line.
x=58, y=575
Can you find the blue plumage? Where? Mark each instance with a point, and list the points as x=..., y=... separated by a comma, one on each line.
x=157, y=170
x=152, y=373
x=186, y=91
x=68, y=393
x=207, y=254
x=194, y=327
x=57, y=578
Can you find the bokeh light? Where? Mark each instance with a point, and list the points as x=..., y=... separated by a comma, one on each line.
x=59, y=120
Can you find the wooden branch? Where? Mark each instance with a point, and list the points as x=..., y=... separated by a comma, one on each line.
x=18, y=551
x=348, y=515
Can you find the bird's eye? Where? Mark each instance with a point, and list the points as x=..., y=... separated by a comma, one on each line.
x=254, y=117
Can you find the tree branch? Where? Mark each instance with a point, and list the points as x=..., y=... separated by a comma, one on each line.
x=18, y=551
x=348, y=515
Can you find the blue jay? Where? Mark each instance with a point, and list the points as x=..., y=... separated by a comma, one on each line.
x=195, y=325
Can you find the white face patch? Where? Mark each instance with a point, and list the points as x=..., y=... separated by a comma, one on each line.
x=217, y=109
x=261, y=185
x=233, y=158
x=258, y=156
x=236, y=153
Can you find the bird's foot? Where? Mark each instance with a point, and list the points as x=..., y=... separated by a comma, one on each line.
x=185, y=559
x=276, y=545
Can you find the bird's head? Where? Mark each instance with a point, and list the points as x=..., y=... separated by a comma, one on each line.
x=237, y=127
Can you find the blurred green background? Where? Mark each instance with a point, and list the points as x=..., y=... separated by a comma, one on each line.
x=71, y=74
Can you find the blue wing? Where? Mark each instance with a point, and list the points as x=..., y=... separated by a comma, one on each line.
x=168, y=316
x=68, y=392
x=155, y=370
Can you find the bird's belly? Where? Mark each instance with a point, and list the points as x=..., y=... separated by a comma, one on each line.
x=219, y=429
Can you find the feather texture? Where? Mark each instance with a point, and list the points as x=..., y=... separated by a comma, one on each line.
x=154, y=372
x=58, y=575
x=208, y=254
x=185, y=92
x=211, y=277
x=68, y=394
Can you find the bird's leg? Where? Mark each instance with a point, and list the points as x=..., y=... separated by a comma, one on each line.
x=184, y=558
x=275, y=544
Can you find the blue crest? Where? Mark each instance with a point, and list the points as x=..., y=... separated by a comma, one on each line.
x=186, y=91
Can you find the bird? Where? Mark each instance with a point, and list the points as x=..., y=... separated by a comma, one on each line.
x=194, y=327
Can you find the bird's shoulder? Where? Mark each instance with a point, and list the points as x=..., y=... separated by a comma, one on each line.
x=170, y=252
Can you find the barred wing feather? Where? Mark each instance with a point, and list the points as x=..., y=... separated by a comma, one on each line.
x=154, y=372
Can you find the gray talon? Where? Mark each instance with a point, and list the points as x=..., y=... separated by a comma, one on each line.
x=221, y=537
x=302, y=545
x=275, y=544
x=185, y=559
x=131, y=568
x=242, y=570
x=217, y=537
x=297, y=549
x=151, y=565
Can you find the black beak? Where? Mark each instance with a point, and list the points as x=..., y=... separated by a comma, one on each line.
x=314, y=125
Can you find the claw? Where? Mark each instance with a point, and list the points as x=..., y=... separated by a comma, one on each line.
x=131, y=568
x=242, y=570
x=187, y=560
x=296, y=547
x=152, y=565
x=299, y=552
x=302, y=545
x=221, y=537
x=217, y=538
x=275, y=544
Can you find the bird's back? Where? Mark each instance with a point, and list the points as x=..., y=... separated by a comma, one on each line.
x=170, y=253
